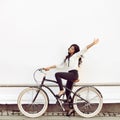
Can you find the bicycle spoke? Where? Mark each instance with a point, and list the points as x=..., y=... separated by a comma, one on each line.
x=93, y=98
x=90, y=102
x=32, y=102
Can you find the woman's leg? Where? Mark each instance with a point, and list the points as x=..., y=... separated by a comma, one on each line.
x=69, y=76
x=59, y=76
x=69, y=85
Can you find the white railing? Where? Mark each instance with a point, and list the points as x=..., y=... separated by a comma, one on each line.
x=101, y=86
x=76, y=85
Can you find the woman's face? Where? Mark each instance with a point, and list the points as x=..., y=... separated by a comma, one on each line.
x=71, y=50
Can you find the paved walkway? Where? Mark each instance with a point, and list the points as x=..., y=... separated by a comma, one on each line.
x=56, y=118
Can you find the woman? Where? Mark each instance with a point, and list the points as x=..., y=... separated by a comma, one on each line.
x=72, y=61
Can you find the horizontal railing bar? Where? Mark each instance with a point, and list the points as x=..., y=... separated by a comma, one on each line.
x=52, y=85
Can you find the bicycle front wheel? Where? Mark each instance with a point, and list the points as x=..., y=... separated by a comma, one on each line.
x=32, y=102
x=87, y=102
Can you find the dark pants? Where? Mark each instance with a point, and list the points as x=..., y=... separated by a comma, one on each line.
x=70, y=77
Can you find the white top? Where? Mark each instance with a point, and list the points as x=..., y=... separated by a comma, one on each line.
x=73, y=61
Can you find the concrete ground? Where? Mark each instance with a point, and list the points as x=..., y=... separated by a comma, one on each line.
x=109, y=112
x=57, y=118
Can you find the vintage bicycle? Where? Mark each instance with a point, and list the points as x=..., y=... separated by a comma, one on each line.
x=33, y=101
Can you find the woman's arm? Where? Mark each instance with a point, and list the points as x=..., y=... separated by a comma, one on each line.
x=48, y=68
x=93, y=43
x=87, y=47
x=61, y=65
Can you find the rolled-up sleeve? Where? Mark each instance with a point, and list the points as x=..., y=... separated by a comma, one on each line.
x=84, y=50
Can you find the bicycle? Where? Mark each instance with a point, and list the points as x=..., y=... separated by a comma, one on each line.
x=34, y=101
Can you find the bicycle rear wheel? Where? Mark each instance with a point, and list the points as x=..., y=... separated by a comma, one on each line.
x=32, y=102
x=87, y=102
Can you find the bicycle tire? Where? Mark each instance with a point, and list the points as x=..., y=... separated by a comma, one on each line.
x=90, y=108
x=29, y=108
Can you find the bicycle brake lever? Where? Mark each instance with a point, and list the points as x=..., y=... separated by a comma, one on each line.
x=42, y=70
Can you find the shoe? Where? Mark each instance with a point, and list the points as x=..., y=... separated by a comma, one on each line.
x=70, y=112
x=60, y=94
x=75, y=81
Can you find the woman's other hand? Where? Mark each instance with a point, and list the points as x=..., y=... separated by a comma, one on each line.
x=96, y=40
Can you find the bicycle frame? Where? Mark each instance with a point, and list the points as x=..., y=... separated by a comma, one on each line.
x=82, y=101
x=49, y=80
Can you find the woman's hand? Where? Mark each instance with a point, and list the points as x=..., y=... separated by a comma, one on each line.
x=96, y=40
x=46, y=69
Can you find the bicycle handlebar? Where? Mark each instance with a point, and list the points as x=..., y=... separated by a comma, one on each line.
x=40, y=70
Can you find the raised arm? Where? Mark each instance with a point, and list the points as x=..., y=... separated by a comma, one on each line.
x=87, y=47
x=93, y=43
